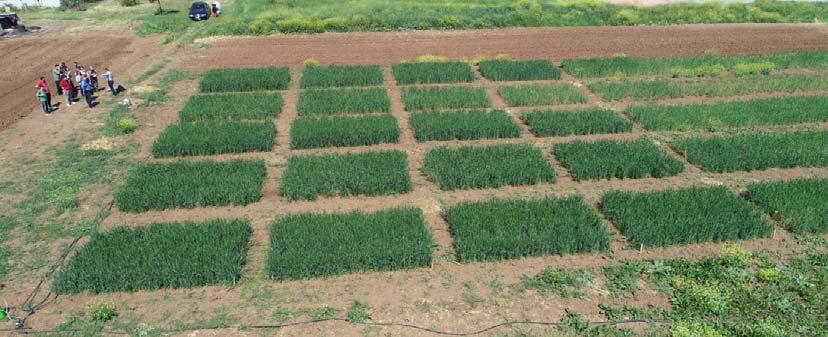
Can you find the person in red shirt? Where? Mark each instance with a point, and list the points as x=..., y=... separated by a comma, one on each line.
x=67, y=88
x=42, y=85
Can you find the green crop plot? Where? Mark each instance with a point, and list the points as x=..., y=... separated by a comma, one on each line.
x=756, y=112
x=444, y=98
x=343, y=101
x=162, y=255
x=800, y=205
x=506, y=70
x=487, y=167
x=232, y=106
x=693, y=215
x=245, y=79
x=609, y=159
x=432, y=72
x=214, y=137
x=369, y=173
x=506, y=229
x=545, y=123
x=306, y=133
x=756, y=151
x=341, y=76
x=529, y=95
x=463, y=125
x=188, y=184
x=312, y=245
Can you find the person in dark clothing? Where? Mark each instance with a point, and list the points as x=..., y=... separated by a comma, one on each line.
x=45, y=87
x=67, y=89
x=86, y=88
x=41, y=96
x=56, y=73
x=93, y=78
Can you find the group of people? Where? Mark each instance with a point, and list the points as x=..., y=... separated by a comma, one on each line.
x=71, y=83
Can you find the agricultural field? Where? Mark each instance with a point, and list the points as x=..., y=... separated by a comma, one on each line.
x=444, y=98
x=533, y=95
x=468, y=167
x=463, y=125
x=343, y=101
x=609, y=159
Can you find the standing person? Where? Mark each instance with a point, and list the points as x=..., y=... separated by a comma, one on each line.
x=78, y=79
x=216, y=8
x=86, y=88
x=41, y=96
x=45, y=87
x=110, y=80
x=93, y=78
x=56, y=73
x=66, y=85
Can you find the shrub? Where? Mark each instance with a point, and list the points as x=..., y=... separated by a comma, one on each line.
x=188, y=184
x=369, y=173
x=616, y=159
x=506, y=229
x=214, y=138
x=308, y=133
x=800, y=205
x=128, y=3
x=311, y=62
x=475, y=124
x=764, y=68
x=713, y=70
x=526, y=95
x=312, y=245
x=505, y=70
x=245, y=79
x=442, y=98
x=104, y=312
x=162, y=255
x=486, y=167
x=343, y=101
x=233, y=106
x=341, y=76
x=544, y=123
x=125, y=125
x=432, y=72
x=692, y=215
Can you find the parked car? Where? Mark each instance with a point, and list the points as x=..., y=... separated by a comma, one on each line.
x=8, y=20
x=200, y=10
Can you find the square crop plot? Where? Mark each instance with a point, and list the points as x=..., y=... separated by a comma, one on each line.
x=463, y=125
x=188, y=184
x=507, y=229
x=468, y=167
x=532, y=95
x=692, y=215
x=245, y=79
x=432, y=72
x=343, y=101
x=800, y=205
x=232, y=106
x=368, y=173
x=507, y=70
x=444, y=98
x=341, y=76
x=214, y=138
x=313, y=245
x=616, y=159
x=162, y=255
x=309, y=132
x=545, y=123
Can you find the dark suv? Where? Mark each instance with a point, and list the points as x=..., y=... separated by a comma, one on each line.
x=200, y=10
x=8, y=20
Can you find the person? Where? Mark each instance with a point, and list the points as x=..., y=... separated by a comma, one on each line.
x=56, y=73
x=110, y=80
x=41, y=96
x=86, y=88
x=93, y=78
x=67, y=88
x=78, y=78
x=216, y=8
x=45, y=87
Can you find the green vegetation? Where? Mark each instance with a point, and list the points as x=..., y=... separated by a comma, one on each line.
x=432, y=72
x=463, y=125
x=190, y=184
x=245, y=79
x=468, y=167
x=528, y=95
x=756, y=151
x=507, y=70
x=369, y=173
x=545, y=123
x=308, y=133
x=609, y=159
x=312, y=245
x=341, y=76
x=162, y=255
x=214, y=138
x=232, y=106
x=800, y=205
x=756, y=112
x=623, y=277
x=444, y=98
x=564, y=283
x=343, y=101
x=692, y=215
x=507, y=229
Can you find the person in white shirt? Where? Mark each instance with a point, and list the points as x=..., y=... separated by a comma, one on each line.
x=110, y=80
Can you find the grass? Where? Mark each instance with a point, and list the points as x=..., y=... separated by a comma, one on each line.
x=162, y=255
x=341, y=76
x=545, y=123
x=564, y=283
x=188, y=184
x=529, y=95
x=609, y=159
x=343, y=101
x=245, y=79
x=692, y=215
x=313, y=245
x=475, y=124
x=214, y=138
x=740, y=113
x=432, y=72
x=368, y=173
x=508, y=229
x=306, y=133
x=507, y=70
x=756, y=151
x=444, y=98
x=800, y=205
x=232, y=106
x=486, y=167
